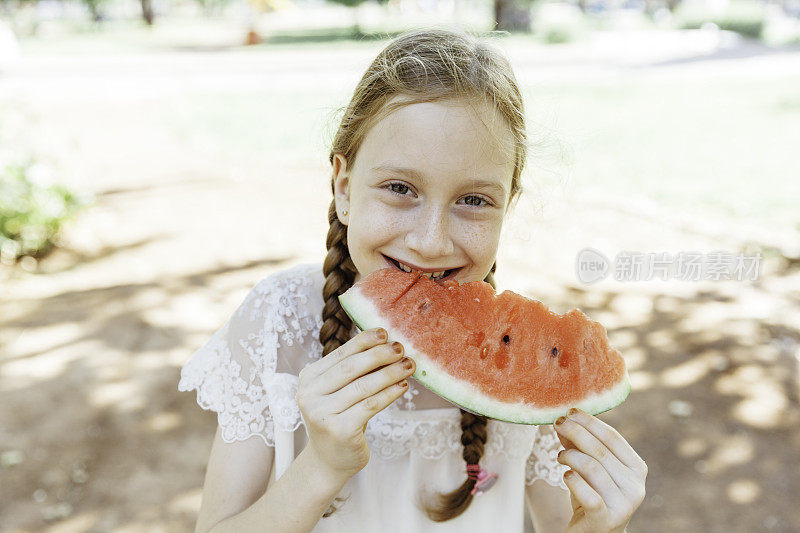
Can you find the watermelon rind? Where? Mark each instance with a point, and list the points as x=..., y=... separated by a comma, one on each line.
x=467, y=396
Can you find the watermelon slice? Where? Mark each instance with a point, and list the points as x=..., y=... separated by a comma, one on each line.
x=503, y=356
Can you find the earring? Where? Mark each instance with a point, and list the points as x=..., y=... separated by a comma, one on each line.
x=344, y=212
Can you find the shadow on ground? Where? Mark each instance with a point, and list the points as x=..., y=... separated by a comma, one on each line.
x=713, y=412
x=117, y=445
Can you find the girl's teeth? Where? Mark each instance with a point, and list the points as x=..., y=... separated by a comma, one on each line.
x=433, y=275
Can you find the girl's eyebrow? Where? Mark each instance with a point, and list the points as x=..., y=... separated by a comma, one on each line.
x=417, y=175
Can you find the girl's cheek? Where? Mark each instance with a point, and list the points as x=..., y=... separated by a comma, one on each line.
x=484, y=242
x=388, y=216
x=481, y=233
x=377, y=222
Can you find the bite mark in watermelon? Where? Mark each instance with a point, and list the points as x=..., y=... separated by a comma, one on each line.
x=503, y=356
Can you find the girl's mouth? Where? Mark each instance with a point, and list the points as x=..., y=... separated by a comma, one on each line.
x=447, y=273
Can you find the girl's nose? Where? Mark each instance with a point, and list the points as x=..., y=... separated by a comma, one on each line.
x=430, y=236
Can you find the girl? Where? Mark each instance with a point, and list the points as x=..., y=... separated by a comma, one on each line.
x=426, y=163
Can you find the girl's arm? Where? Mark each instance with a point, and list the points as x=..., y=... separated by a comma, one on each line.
x=236, y=477
x=549, y=506
x=234, y=496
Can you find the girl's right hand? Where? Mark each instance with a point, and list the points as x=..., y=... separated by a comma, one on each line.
x=339, y=393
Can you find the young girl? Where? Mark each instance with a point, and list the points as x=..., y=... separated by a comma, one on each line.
x=426, y=162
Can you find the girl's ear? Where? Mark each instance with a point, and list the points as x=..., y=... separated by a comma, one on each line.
x=341, y=188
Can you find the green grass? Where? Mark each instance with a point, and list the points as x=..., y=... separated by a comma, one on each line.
x=724, y=145
x=721, y=144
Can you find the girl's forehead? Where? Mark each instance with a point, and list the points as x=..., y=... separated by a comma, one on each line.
x=442, y=137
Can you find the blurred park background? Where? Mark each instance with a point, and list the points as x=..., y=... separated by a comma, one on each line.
x=159, y=157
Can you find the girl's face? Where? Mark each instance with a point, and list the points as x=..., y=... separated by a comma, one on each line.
x=429, y=189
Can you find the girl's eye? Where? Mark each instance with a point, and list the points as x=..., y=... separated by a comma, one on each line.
x=476, y=202
x=403, y=188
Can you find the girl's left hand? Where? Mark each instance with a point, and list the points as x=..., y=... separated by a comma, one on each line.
x=606, y=483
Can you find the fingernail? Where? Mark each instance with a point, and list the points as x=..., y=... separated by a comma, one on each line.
x=560, y=420
x=397, y=347
x=381, y=334
x=573, y=411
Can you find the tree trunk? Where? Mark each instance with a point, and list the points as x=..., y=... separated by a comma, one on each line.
x=509, y=16
x=92, y=5
x=147, y=12
x=357, y=34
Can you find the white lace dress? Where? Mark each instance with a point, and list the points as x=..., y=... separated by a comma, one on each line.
x=247, y=373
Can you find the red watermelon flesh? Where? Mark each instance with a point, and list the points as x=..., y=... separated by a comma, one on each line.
x=499, y=355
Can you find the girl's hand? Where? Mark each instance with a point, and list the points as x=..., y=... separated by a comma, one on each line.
x=339, y=393
x=606, y=483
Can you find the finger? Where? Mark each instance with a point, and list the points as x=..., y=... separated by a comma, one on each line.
x=590, y=445
x=360, y=364
x=587, y=498
x=363, y=341
x=595, y=475
x=621, y=449
x=565, y=442
x=369, y=384
x=359, y=414
x=572, y=499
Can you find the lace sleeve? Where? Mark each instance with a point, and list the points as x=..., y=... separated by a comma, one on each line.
x=541, y=463
x=247, y=371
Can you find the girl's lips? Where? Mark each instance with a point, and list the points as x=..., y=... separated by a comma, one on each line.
x=391, y=262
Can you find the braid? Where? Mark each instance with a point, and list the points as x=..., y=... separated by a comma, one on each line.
x=473, y=437
x=340, y=273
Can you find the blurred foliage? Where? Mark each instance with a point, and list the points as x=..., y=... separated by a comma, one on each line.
x=32, y=213
x=745, y=18
x=94, y=7
x=354, y=3
x=357, y=31
x=557, y=23
x=782, y=31
x=556, y=35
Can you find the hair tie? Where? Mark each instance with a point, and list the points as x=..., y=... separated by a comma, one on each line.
x=485, y=479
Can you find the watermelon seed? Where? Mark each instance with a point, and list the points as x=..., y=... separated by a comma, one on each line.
x=506, y=339
x=555, y=351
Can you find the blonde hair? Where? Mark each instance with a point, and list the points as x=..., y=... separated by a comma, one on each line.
x=429, y=65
